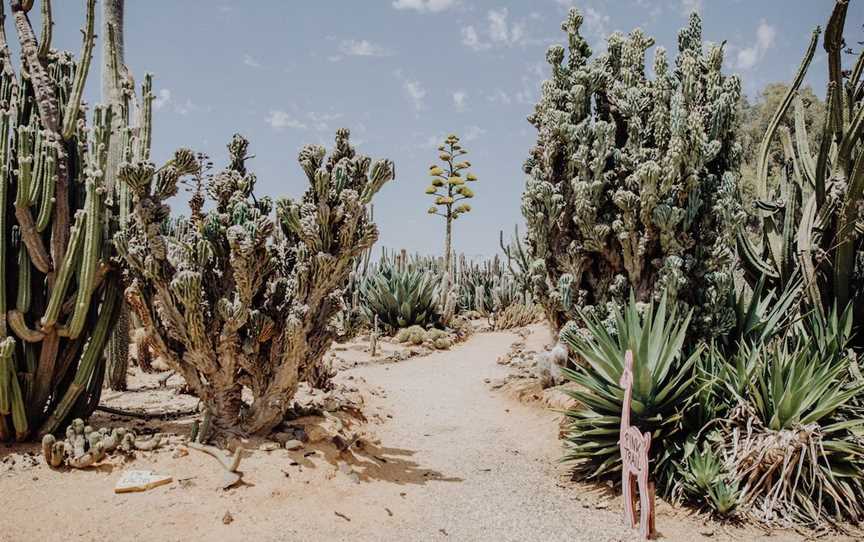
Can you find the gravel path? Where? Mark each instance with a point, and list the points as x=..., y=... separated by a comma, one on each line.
x=498, y=459
x=446, y=459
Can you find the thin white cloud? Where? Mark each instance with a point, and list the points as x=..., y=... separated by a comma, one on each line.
x=689, y=6
x=162, y=99
x=251, y=61
x=415, y=92
x=321, y=121
x=362, y=48
x=279, y=120
x=749, y=57
x=424, y=6
x=472, y=132
x=460, y=98
x=500, y=31
x=498, y=96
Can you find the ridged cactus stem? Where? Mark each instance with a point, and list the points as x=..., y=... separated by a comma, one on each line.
x=89, y=358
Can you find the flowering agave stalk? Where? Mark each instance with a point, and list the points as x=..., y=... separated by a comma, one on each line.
x=240, y=301
x=449, y=188
x=632, y=184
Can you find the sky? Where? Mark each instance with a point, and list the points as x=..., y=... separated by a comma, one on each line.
x=401, y=75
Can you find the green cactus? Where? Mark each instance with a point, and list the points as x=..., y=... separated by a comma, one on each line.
x=449, y=188
x=54, y=174
x=632, y=184
x=228, y=301
x=812, y=226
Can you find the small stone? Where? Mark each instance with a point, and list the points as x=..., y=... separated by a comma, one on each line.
x=293, y=444
x=181, y=451
x=269, y=446
x=227, y=518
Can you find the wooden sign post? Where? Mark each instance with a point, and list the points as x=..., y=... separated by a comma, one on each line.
x=634, y=446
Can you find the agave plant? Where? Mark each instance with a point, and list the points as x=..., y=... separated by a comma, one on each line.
x=791, y=431
x=401, y=297
x=662, y=381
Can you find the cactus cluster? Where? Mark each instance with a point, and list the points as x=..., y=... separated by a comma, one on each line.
x=237, y=300
x=632, y=184
x=58, y=293
x=84, y=446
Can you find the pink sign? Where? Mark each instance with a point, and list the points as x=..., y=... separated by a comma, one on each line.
x=634, y=446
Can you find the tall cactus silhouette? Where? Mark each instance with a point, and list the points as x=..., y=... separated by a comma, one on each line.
x=632, y=183
x=449, y=187
x=58, y=307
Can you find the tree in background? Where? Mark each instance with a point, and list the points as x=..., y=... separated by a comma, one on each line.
x=449, y=188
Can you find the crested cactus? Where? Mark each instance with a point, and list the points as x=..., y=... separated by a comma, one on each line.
x=450, y=190
x=240, y=301
x=813, y=225
x=58, y=304
x=632, y=184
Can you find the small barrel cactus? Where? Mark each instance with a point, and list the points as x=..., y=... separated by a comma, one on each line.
x=632, y=184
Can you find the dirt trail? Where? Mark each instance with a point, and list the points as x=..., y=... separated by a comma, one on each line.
x=456, y=461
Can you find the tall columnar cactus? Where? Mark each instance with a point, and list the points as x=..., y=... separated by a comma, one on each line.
x=813, y=226
x=58, y=294
x=632, y=183
x=239, y=300
x=449, y=188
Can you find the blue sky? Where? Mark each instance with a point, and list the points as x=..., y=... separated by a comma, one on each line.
x=401, y=74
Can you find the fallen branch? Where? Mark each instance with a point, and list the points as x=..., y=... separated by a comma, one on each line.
x=147, y=415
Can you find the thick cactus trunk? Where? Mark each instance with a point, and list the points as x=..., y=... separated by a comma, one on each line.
x=117, y=352
x=112, y=62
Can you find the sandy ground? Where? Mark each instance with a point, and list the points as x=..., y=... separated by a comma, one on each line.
x=443, y=456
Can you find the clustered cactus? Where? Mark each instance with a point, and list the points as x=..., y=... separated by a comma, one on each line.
x=237, y=300
x=84, y=446
x=58, y=294
x=633, y=181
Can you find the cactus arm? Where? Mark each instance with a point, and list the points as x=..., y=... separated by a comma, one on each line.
x=851, y=138
x=4, y=189
x=43, y=86
x=30, y=236
x=89, y=358
x=844, y=261
x=89, y=259
x=762, y=157
x=802, y=143
x=16, y=322
x=833, y=47
x=787, y=249
x=43, y=219
x=821, y=172
x=22, y=303
x=750, y=259
x=805, y=252
x=61, y=282
x=47, y=30
x=73, y=106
